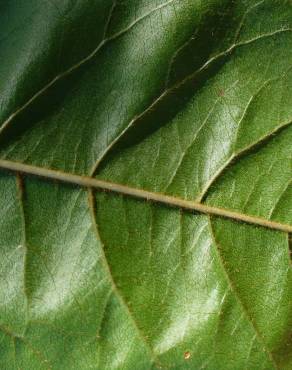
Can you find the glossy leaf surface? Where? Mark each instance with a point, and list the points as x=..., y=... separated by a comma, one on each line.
x=185, y=98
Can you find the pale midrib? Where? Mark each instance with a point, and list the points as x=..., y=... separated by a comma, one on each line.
x=172, y=201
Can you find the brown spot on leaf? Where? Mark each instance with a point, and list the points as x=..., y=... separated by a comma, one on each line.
x=187, y=355
x=221, y=92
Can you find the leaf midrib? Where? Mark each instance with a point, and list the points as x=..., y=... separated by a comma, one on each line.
x=89, y=182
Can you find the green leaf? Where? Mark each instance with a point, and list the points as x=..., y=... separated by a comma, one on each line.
x=145, y=184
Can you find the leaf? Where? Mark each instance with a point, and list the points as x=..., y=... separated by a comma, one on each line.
x=145, y=185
